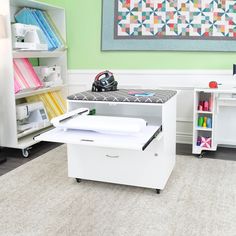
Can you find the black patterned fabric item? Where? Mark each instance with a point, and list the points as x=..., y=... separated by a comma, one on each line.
x=122, y=95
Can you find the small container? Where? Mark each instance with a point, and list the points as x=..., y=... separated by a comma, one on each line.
x=200, y=121
x=206, y=106
x=198, y=141
x=204, y=122
x=200, y=107
x=209, y=122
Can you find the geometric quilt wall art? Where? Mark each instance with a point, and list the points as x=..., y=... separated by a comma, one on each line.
x=197, y=19
x=190, y=25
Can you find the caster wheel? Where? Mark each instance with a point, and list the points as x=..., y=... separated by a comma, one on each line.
x=78, y=180
x=25, y=153
x=201, y=155
x=158, y=191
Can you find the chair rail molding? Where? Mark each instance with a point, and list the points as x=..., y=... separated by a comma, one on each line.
x=184, y=81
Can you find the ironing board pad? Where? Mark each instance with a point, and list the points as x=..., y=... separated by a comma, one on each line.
x=123, y=95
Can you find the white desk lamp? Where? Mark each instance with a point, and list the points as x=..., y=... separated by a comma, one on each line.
x=3, y=34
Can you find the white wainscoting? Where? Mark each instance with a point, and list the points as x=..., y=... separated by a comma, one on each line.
x=182, y=80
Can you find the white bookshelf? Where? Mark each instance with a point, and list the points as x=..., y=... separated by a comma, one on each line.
x=8, y=128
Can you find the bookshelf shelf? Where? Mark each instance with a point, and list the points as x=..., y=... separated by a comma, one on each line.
x=28, y=132
x=28, y=140
x=204, y=112
x=56, y=16
x=38, y=54
x=199, y=149
x=203, y=129
x=25, y=94
x=34, y=4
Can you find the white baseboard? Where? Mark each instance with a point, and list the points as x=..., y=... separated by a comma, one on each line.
x=182, y=80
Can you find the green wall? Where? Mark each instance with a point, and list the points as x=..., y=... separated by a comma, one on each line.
x=84, y=40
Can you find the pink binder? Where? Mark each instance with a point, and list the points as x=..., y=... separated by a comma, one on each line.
x=17, y=86
x=27, y=74
x=34, y=76
x=19, y=77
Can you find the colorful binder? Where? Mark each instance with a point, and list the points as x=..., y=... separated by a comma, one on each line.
x=60, y=100
x=25, y=16
x=51, y=104
x=24, y=75
x=55, y=29
x=41, y=19
x=19, y=77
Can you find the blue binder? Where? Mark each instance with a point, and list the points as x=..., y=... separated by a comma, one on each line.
x=48, y=28
x=26, y=16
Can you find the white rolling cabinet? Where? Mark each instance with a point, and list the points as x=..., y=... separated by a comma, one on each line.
x=102, y=157
x=9, y=99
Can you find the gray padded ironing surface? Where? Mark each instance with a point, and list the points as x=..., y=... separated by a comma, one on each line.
x=121, y=95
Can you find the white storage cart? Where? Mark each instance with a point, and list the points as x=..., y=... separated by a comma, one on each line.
x=144, y=159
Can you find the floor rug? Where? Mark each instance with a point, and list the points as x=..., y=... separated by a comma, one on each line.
x=38, y=198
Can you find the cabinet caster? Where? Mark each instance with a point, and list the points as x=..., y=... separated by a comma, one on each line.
x=201, y=155
x=78, y=180
x=25, y=152
x=158, y=191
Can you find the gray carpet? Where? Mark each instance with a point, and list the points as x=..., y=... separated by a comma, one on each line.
x=39, y=199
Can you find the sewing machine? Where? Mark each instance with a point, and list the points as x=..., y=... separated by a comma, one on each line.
x=28, y=37
x=49, y=75
x=31, y=116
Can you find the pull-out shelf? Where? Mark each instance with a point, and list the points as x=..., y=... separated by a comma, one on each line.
x=137, y=141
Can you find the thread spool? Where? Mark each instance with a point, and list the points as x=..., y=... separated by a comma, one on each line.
x=209, y=123
x=205, y=122
x=200, y=121
x=198, y=141
x=206, y=106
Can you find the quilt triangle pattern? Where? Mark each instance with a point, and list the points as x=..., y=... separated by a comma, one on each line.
x=192, y=19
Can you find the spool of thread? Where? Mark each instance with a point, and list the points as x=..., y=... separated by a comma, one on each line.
x=206, y=106
x=209, y=123
x=200, y=121
x=211, y=103
x=198, y=141
x=204, y=122
x=201, y=103
x=200, y=107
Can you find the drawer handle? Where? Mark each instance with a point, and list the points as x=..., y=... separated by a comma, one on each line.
x=86, y=140
x=112, y=156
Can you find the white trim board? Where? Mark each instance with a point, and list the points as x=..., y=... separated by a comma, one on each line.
x=182, y=80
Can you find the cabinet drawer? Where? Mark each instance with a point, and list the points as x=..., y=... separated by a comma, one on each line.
x=139, y=168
